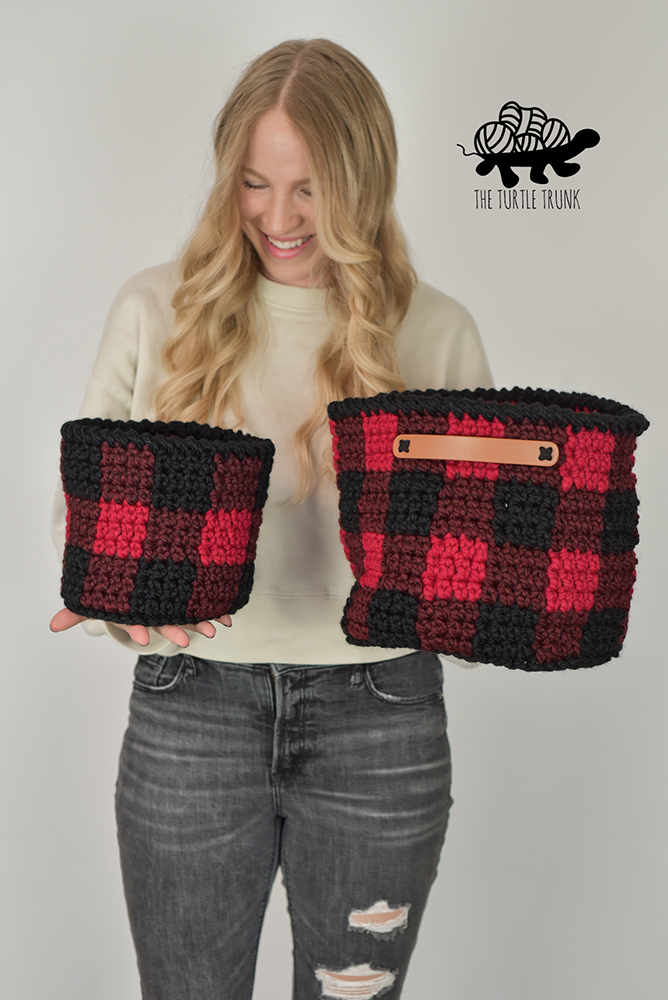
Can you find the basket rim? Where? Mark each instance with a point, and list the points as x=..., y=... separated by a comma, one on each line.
x=167, y=436
x=549, y=406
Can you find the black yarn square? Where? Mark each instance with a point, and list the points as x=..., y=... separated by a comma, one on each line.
x=620, y=519
x=603, y=635
x=81, y=469
x=505, y=635
x=392, y=619
x=413, y=502
x=162, y=591
x=350, y=485
x=524, y=514
x=183, y=481
x=75, y=567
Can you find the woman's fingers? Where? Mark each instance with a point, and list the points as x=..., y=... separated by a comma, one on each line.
x=177, y=634
x=65, y=619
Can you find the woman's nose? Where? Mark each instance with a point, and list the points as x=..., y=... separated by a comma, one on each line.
x=280, y=216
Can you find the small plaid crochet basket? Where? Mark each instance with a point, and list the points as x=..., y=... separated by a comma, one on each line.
x=162, y=519
x=495, y=526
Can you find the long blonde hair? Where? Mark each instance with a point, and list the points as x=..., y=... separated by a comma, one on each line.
x=338, y=108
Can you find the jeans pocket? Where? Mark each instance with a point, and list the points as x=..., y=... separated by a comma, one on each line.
x=161, y=673
x=415, y=679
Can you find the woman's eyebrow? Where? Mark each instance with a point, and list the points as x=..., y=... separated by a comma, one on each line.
x=249, y=170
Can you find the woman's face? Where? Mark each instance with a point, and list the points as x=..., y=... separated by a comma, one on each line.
x=276, y=204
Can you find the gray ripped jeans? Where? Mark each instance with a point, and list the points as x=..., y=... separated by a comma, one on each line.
x=339, y=774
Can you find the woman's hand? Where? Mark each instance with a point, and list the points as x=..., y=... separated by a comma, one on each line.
x=178, y=634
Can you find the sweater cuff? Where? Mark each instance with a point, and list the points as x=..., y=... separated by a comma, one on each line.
x=156, y=644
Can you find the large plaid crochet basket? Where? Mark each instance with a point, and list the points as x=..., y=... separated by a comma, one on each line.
x=495, y=526
x=162, y=519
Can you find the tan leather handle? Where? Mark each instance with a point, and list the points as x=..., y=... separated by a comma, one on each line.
x=450, y=447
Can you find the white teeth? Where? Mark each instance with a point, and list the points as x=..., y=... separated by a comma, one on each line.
x=287, y=245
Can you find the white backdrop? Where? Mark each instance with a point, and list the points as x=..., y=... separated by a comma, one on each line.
x=553, y=880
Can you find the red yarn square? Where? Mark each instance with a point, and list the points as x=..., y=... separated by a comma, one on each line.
x=380, y=431
x=455, y=568
x=225, y=537
x=121, y=529
x=558, y=635
x=126, y=473
x=173, y=534
x=573, y=579
x=586, y=460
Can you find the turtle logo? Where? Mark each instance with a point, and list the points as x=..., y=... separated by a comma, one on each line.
x=526, y=137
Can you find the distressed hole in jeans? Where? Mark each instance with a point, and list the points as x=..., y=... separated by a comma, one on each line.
x=360, y=982
x=381, y=920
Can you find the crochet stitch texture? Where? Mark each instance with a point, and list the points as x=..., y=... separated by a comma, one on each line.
x=162, y=519
x=528, y=567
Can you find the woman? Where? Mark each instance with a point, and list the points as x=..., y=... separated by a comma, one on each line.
x=275, y=742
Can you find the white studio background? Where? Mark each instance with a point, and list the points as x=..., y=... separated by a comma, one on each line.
x=553, y=880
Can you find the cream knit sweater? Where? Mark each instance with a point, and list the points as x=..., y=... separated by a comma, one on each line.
x=302, y=577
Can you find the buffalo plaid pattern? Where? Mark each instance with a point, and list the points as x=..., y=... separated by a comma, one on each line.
x=162, y=519
x=522, y=566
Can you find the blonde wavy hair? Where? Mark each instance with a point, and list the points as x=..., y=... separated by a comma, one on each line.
x=338, y=108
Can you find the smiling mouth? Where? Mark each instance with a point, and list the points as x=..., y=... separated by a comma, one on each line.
x=288, y=244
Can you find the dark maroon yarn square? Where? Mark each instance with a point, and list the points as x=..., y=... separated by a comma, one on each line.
x=108, y=585
x=235, y=483
x=214, y=591
x=173, y=534
x=356, y=615
x=448, y=625
x=516, y=575
x=558, y=636
x=616, y=577
x=373, y=502
x=404, y=562
x=126, y=473
x=578, y=521
x=351, y=445
x=354, y=548
x=621, y=475
x=465, y=507
x=82, y=516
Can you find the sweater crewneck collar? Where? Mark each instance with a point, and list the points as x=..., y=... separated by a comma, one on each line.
x=290, y=296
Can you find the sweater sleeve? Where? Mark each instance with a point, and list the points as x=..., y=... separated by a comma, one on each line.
x=135, y=329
